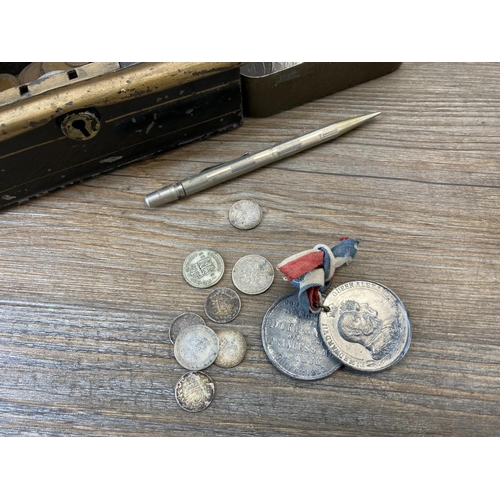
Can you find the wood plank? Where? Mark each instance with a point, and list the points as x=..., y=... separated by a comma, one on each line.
x=91, y=278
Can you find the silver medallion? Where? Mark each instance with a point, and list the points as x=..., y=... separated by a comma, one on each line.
x=181, y=322
x=196, y=347
x=245, y=214
x=253, y=274
x=366, y=326
x=222, y=305
x=292, y=342
x=203, y=268
x=194, y=391
x=232, y=348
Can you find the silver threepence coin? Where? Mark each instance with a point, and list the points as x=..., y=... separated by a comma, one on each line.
x=245, y=214
x=366, y=327
x=183, y=321
x=291, y=340
x=222, y=305
x=253, y=274
x=232, y=348
x=196, y=347
x=194, y=391
x=203, y=268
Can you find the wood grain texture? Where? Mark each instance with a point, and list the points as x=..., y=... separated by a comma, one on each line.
x=91, y=279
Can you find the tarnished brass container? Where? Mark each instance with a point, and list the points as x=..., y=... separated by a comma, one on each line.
x=72, y=124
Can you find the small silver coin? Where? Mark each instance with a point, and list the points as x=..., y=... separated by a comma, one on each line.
x=366, y=326
x=222, y=305
x=194, y=391
x=181, y=322
x=196, y=347
x=203, y=268
x=292, y=342
x=253, y=274
x=232, y=348
x=245, y=214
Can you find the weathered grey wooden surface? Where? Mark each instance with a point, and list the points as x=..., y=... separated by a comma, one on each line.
x=91, y=279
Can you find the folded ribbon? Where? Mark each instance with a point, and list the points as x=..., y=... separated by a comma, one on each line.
x=312, y=270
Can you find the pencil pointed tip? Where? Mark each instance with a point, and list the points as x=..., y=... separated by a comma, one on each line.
x=370, y=116
x=351, y=123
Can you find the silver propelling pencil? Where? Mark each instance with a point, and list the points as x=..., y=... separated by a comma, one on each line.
x=221, y=173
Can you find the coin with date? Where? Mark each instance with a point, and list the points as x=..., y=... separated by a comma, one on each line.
x=222, y=305
x=245, y=214
x=253, y=274
x=194, y=391
x=203, y=268
x=232, y=348
x=196, y=347
x=181, y=322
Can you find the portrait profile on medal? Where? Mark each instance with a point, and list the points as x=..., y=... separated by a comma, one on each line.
x=365, y=325
x=359, y=323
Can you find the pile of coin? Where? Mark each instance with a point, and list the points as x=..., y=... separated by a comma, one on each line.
x=196, y=345
x=8, y=81
x=363, y=325
x=33, y=71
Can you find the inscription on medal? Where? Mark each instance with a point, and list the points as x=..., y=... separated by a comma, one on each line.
x=292, y=342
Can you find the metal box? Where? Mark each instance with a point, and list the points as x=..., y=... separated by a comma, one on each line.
x=269, y=88
x=70, y=125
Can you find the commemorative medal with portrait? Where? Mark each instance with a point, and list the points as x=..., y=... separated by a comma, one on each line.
x=365, y=325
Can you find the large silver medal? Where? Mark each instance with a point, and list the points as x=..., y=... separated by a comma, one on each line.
x=365, y=325
x=291, y=340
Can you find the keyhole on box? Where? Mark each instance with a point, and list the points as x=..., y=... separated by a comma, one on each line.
x=81, y=126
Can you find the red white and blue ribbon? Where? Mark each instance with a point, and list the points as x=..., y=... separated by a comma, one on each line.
x=312, y=271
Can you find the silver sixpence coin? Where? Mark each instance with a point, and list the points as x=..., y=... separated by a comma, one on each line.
x=194, y=391
x=366, y=327
x=253, y=274
x=196, y=347
x=203, y=268
x=291, y=340
x=232, y=348
x=181, y=322
x=245, y=214
x=222, y=305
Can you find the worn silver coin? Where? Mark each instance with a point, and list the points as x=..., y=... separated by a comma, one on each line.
x=222, y=305
x=196, y=347
x=253, y=274
x=365, y=325
x=181, y=322
x=245, y=214
x=291, y=340
x=203, y=268
x=194, y=391
x=232, y=348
